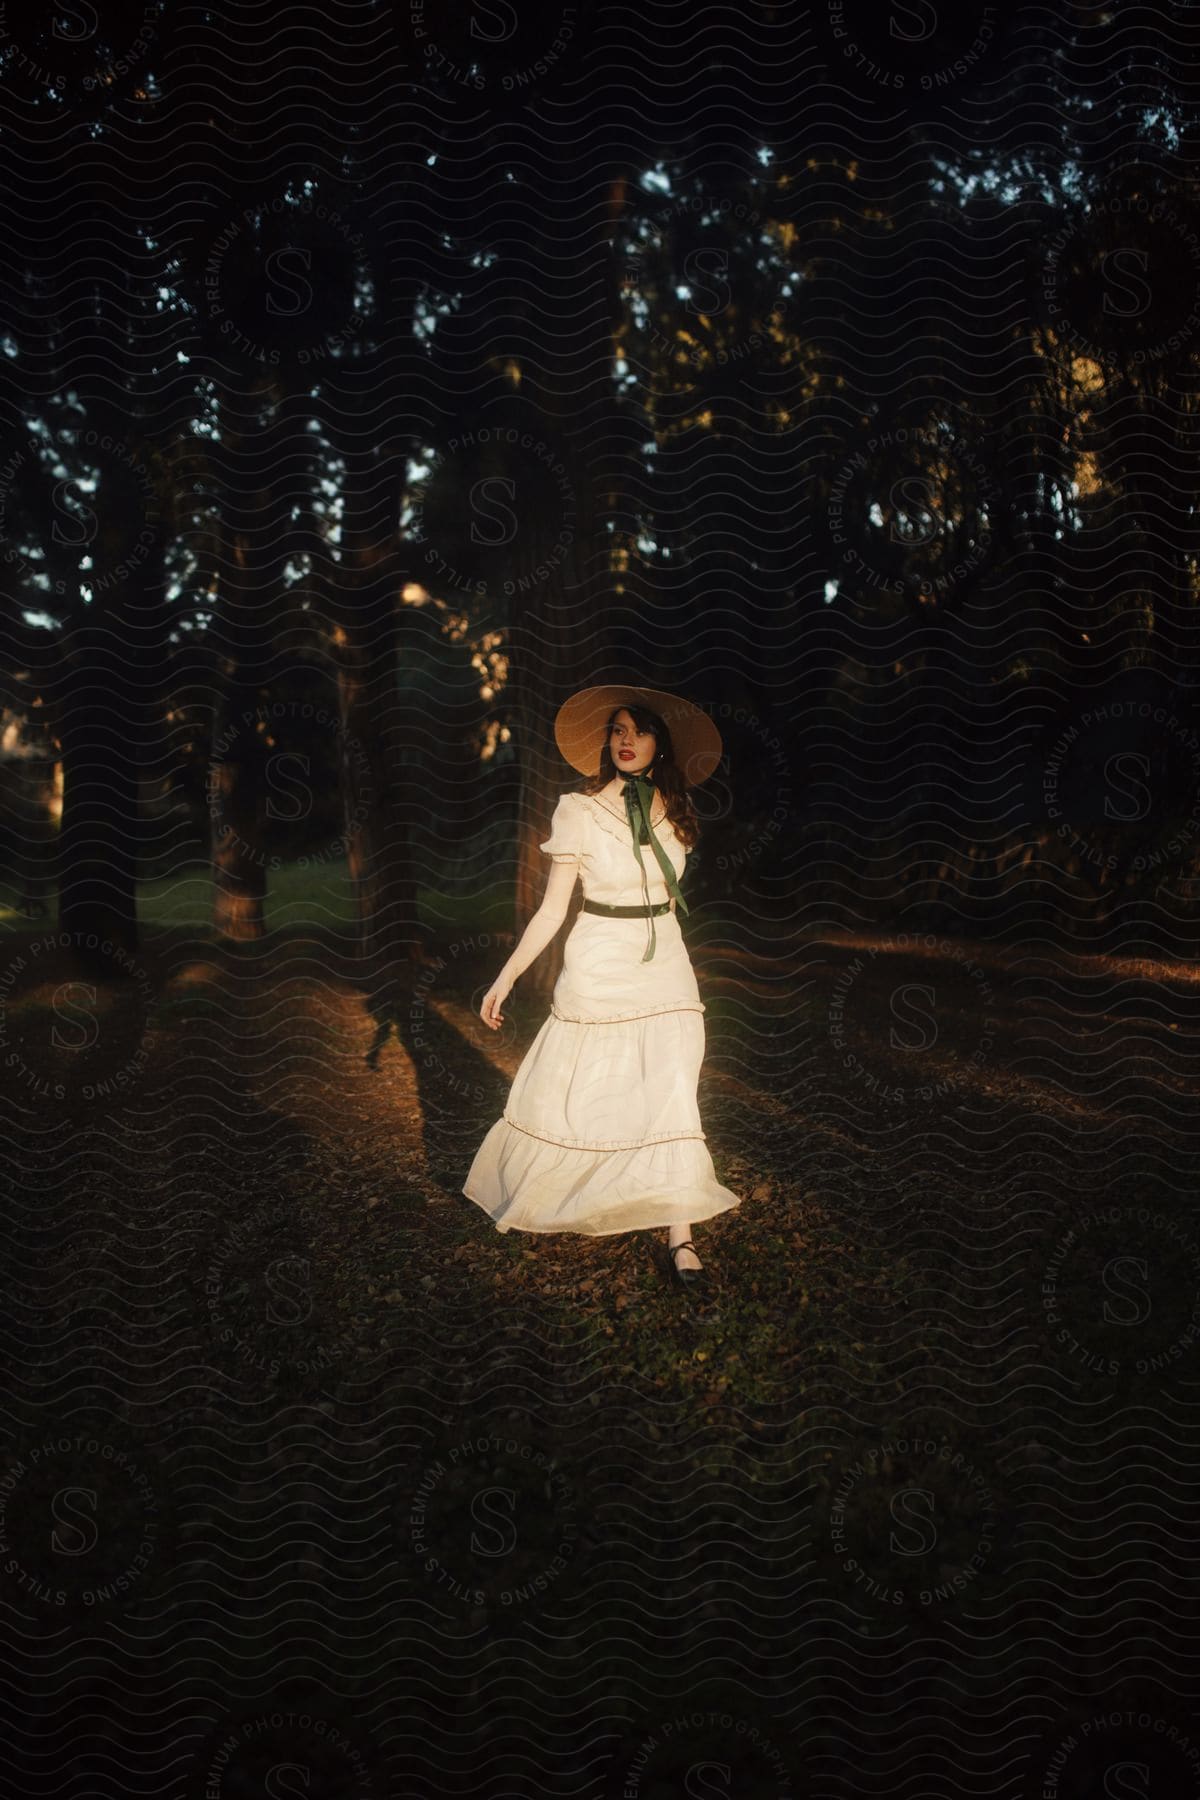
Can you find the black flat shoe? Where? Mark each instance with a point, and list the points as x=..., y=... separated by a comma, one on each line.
x=692, y=1279
x=696, y=1283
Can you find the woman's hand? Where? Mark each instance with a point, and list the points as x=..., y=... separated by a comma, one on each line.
x=493, y=1000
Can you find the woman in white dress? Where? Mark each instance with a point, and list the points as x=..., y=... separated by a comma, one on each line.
x=601, y=1132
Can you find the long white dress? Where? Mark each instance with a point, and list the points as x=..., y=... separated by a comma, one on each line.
x=601, y=1132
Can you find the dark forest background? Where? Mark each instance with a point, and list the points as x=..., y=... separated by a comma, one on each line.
x=344, y=437
x=372, y=376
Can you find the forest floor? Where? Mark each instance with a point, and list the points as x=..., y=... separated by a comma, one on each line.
x=878, y=1103
x=965, y=1260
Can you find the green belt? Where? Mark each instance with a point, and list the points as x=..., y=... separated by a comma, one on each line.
x=626, y=912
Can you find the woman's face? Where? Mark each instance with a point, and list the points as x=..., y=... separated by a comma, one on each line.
x=632, y=750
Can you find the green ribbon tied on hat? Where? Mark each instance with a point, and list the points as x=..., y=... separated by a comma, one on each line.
x=639, y=800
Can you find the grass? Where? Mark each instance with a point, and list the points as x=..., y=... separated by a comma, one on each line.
x=319, y=892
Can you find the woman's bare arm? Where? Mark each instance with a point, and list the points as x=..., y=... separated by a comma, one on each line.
x=535, y=938
x=545, y=921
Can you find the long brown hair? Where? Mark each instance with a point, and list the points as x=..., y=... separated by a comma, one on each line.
x=663, y=771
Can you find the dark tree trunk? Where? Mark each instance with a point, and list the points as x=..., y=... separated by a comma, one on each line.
x=113, y=663
x=549, y=664
x=35, y=831
x=266, y=471
x=376, y=788
x=98, y=840
x=379, y=790
x=236, y=763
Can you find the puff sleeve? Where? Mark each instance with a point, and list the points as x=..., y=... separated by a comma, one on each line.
x=567, y=827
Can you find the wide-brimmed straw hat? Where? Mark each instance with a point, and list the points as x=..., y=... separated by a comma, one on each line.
x=579, y=728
